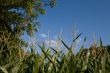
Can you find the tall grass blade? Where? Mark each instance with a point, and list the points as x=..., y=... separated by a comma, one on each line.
x=65, y=44
x=101, y=44
x=77, y=37
x=36, y=66
x=46, y=55
x=3, y=69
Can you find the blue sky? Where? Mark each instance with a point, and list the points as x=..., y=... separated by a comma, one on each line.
x=88, y=15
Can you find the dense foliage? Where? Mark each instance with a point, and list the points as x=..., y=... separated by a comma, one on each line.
x=18, y=17
x=95, y=59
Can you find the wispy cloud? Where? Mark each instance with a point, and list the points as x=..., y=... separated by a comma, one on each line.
x=43, y=35
x=51, y=43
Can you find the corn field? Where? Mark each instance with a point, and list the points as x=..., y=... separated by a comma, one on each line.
x=95, y=59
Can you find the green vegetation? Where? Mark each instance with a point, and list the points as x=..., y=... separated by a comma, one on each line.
x=92, y=60
x=14, y=58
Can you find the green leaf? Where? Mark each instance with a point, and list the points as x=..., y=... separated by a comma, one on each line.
x=42, y=11
x=85, y=39
x=77, y=37
x=65, y=44
x=46, y=55
x=3, y=69
x=101, y=44
x=36, y=66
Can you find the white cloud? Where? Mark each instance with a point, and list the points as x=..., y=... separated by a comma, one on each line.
x=51, y=43
x=43, y=35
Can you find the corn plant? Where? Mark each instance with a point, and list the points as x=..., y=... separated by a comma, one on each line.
x=95, y=59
